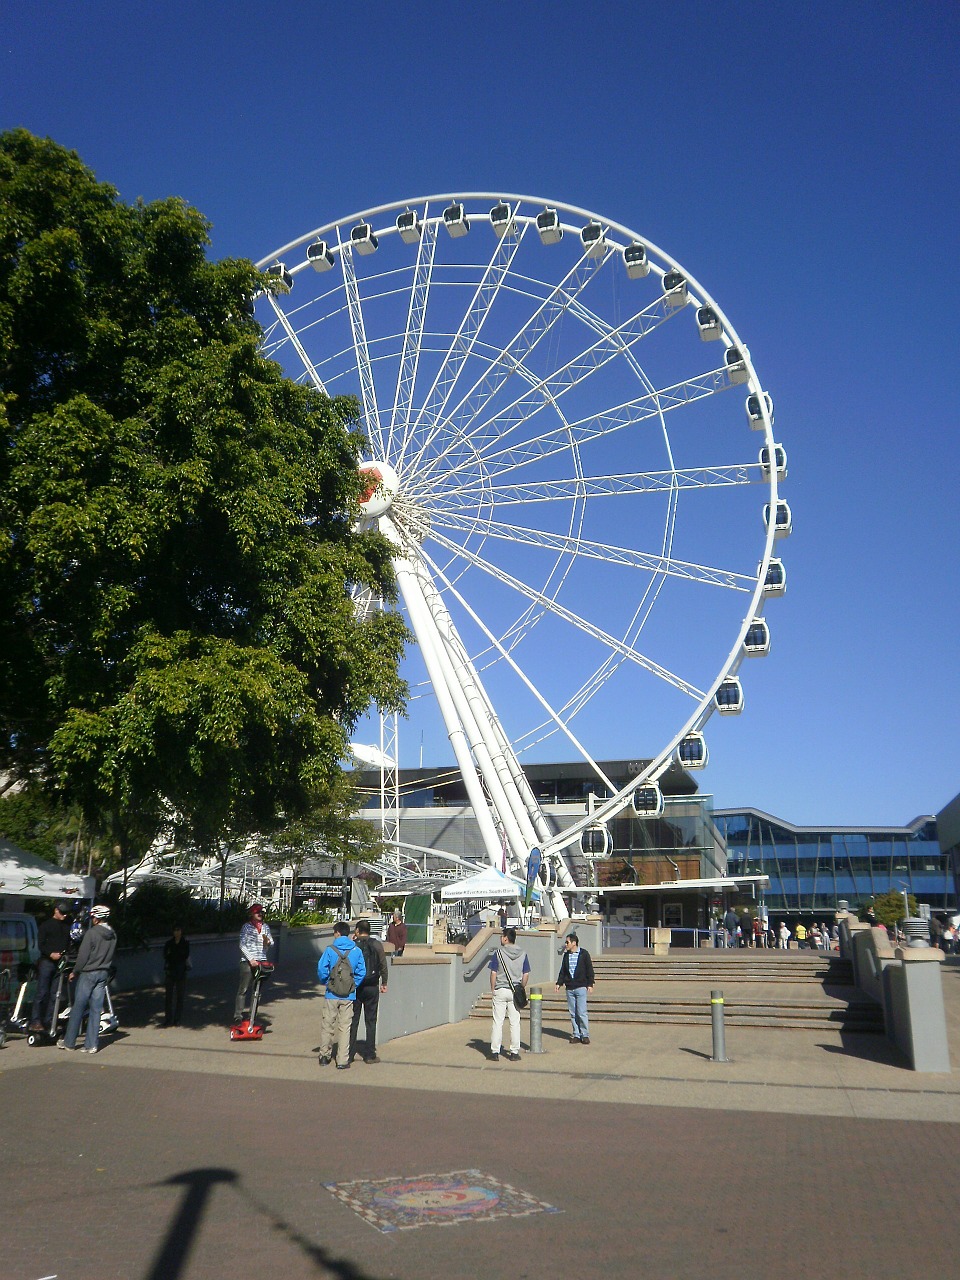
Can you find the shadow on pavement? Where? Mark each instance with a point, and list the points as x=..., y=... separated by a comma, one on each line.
x=209, y=1000
x=171, y=1259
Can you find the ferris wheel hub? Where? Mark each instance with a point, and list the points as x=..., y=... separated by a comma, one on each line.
x=383, y=484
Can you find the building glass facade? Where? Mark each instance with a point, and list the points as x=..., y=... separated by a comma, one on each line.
x=814, y=868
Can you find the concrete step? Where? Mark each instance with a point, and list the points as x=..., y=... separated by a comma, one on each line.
x=861, y=1016
x=732, y=967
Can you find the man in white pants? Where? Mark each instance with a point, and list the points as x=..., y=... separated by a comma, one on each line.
x=516, y=969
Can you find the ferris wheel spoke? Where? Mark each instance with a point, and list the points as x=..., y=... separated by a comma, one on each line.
x=606, y=552
x=606, y=422
x=368, y=391
x=400, y=419
x=613, y=343
x=504, y=653
x=536, y=327
x=463, y=494
x=434, y=403
x=567, y=615
x=294, y=340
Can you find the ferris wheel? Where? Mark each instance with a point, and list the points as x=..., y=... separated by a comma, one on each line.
x=572, y=453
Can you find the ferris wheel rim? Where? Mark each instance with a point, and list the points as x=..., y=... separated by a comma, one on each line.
x=702, y=297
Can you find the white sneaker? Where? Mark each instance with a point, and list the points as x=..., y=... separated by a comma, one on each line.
x=71, y=1048
x=88, y=1050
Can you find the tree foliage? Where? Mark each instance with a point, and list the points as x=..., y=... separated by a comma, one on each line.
x=889, y=908
x=178, y=544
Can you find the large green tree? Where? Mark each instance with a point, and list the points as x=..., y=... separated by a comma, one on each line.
x=178, y=544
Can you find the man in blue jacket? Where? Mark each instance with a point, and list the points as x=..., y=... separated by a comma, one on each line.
x=341, y=981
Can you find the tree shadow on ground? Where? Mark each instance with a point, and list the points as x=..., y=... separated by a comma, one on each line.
x=209, y=1000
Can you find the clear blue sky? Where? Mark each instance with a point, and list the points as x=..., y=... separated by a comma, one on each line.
x=801, y=160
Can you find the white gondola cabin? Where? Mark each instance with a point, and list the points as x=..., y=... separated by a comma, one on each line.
x=708, y=324
x=692, y=751
x=456, y=220
x=736, y=368
x=596, y=841
x=675, y=288
x=593, y=240
x=408, y=224
x=648, y=800
x=756, y=642
x=755, y=411
x=775, y=583
x=783, y=522
x=780, y=461
x=319, y=256
x=279, y=272
x=636, y=261
x=501, y=219
x=729, y=697
x=548, y=226
x=363, y=239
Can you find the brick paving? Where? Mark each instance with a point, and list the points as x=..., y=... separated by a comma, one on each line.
x=174, y=1155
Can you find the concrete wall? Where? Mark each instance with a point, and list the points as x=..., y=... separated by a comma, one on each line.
x=426, y=986
x=209, y=954
x=907, y=983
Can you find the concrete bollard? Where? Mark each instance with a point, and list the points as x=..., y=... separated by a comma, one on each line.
x=536, y=1021
x=716, y=1018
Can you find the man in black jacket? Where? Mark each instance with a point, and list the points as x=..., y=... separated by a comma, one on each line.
x=54, y=937
x=369, y=990
x=576, y=974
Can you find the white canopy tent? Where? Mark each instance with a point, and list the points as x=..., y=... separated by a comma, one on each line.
x=24, y=875
x=489, y=884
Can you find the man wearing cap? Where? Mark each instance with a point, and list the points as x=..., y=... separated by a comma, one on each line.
x=54, y=938
x=91, y=972
x=255, y=937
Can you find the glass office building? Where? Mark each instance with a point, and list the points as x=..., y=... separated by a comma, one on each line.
x=811, y=869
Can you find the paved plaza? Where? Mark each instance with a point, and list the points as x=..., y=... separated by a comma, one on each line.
x=177, y=1155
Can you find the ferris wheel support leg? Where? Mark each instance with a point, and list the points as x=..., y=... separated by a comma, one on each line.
x=476, y=712
x=478, y=733
x=410, y=587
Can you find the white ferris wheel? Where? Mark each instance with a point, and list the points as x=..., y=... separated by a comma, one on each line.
x=574, y=457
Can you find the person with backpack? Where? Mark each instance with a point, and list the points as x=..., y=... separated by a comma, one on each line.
x=368, y=991
x=341, y=969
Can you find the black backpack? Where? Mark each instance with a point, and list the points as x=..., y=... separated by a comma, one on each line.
x=371, y=958
x=340, y=979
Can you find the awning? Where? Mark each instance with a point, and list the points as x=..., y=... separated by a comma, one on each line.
x=490, y=883
x=25, y=875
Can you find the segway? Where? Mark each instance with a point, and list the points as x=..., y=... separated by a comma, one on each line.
x=18, y=1021
x=49, y=1034
x=248, y=1029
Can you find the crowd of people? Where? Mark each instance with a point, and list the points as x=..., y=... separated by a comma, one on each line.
x=733, y=930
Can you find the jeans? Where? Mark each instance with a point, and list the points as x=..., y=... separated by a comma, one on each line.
x=246, y=978
x=503, y=1004
x=577, y=1008
x=176, y=986
x=42, y=1002
x=89, y=993
x=367, y=1003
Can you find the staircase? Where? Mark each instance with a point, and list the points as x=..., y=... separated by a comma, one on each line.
x=784, y=990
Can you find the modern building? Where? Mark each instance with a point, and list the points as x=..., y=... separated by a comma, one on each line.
x=670, y=868
x=684, y=865
x=811, y=869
